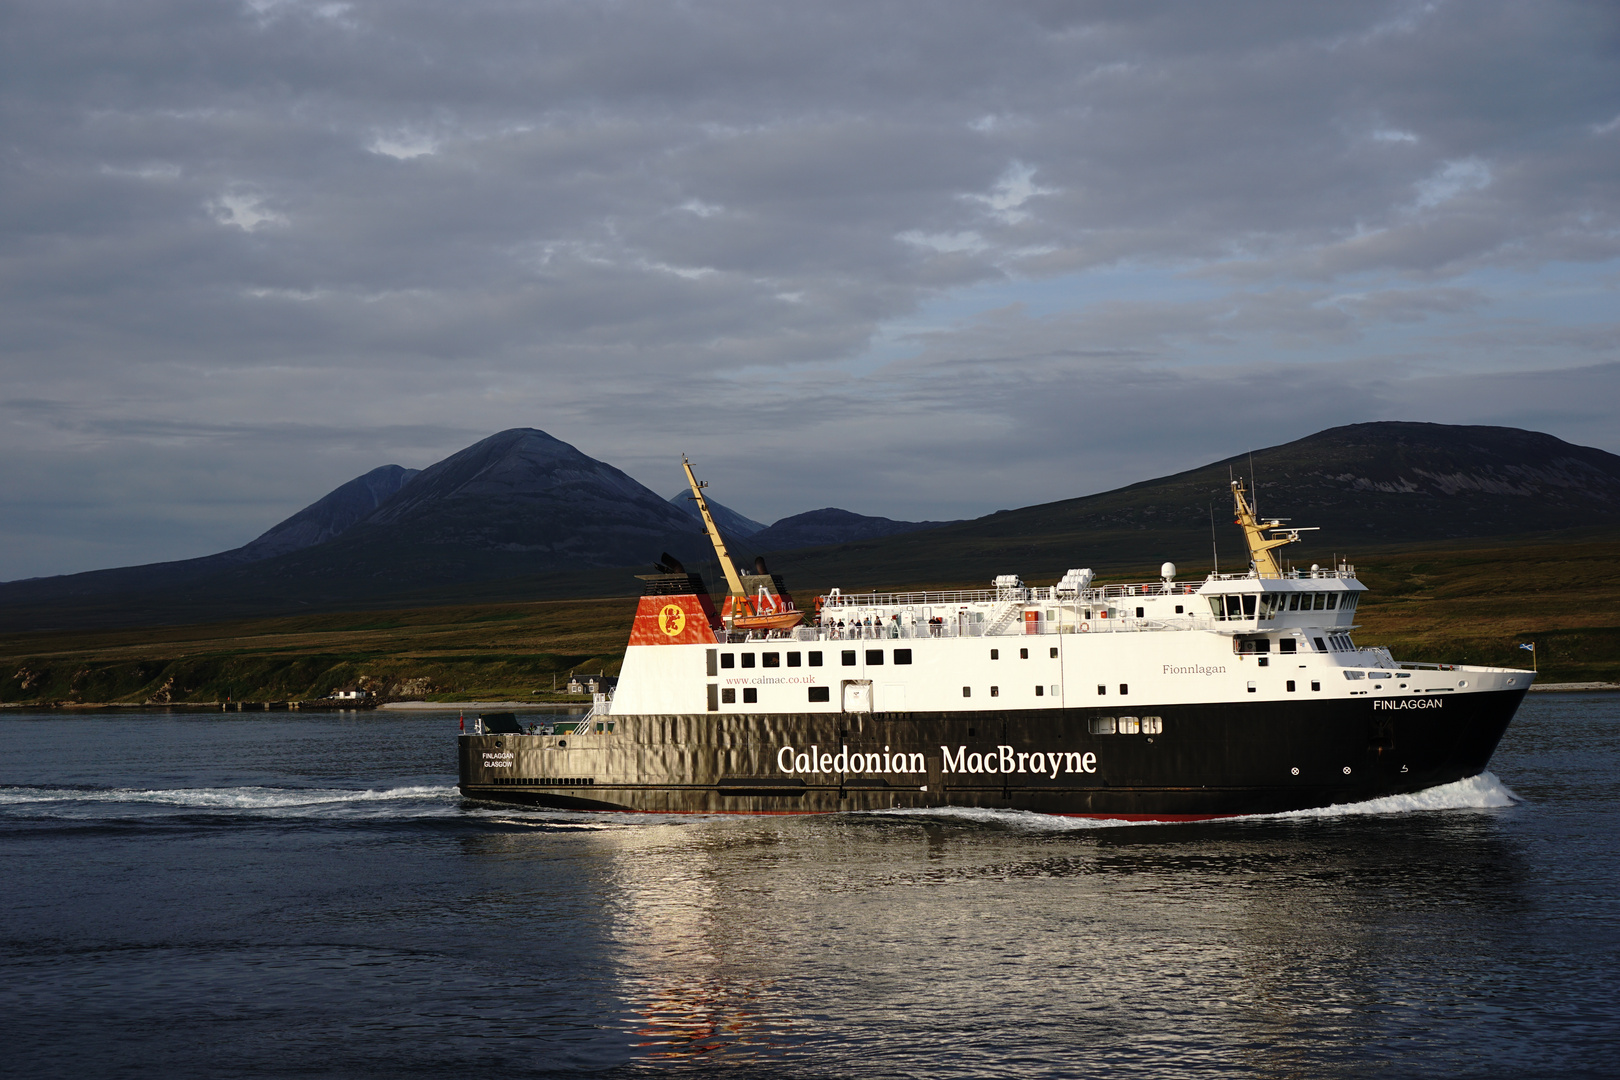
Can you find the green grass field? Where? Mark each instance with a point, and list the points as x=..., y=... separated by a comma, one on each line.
x=1443, y=605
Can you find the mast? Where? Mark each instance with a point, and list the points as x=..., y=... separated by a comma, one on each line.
x=1254, y=530
x=732, y=580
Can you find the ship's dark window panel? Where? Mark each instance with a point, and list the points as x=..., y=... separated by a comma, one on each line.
x=1124, y=689
x=1086, y=614
x=747, y=659
x=902, y=656
x=995, y=691
x=770, y=659
x=1316, y=685
x=1320, y=647
x=815, y=659
x=1178, y=610
x=1153, y=725
x=820, y=693
x=1054, y=652
x=874, y=657
x=967, y=691
x=728, y=696
x=1040, y=691
x=995, y=654
x=1023, y=654
x=1332, y=601
x=1286, y=645
x=1248, y=605
x=711, y=660
x=714, y=697
x=750, y=696
x=1101, y=690
x=1102, y=725
x=1138, y=613
x=727, y=660
x=1263, y=661
x=794, y=659
x=1293, y=602
x=848, y=658
x=1290, y=686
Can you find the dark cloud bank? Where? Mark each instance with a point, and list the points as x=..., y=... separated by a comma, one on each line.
x=920, y=260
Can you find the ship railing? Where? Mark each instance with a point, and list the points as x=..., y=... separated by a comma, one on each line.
x=1049, y=594
x=907, y=629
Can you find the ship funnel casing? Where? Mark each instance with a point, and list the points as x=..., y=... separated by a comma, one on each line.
x=675, y=609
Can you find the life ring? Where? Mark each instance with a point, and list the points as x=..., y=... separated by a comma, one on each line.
x=1085, y=628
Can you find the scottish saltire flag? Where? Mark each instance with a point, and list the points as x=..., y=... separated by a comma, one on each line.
x=1530, y=645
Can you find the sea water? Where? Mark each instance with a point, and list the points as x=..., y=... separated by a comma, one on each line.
x=286, y=894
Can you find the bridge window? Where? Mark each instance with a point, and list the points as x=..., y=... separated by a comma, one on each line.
x=1332, y=601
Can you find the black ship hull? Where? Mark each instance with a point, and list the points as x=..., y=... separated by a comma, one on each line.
x=1189, y=762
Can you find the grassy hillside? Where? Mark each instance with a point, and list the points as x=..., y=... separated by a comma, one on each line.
x=1436, y=604
x=491, y=651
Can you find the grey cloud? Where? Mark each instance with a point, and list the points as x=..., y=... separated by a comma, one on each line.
x=285, y=237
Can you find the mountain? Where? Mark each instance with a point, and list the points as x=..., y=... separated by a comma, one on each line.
x=519, y=504
x=731, y=523
x=832, y=526
x=1363, y=486
x=329, y=516
x=521, y=515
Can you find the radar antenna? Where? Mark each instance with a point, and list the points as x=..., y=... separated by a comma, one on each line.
x=1254, y=530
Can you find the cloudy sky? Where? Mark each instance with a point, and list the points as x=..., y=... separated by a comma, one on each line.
x=920, y=259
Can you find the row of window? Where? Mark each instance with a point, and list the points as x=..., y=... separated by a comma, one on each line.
x=1023, y=654
x=846, y=658
x=1127, y=725
x=544, y=781
x=1267, y=605
x=995, y=691
x=1288, y=646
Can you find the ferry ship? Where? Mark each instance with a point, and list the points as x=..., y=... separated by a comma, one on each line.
x=1168, y=700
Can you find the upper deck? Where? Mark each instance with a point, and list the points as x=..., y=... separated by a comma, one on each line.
x=1223, y=603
